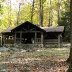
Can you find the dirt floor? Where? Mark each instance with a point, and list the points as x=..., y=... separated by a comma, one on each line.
x=40, y=60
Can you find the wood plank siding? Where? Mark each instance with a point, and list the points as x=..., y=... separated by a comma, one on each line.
x=28, y=33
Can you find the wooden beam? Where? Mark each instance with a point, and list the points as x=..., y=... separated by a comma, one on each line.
x=20, y=37
x=4, y=39
x=28, y=31
x=1, y=40
x=15, y=39
x=35, y=37
x=41, y=38
x=61, y=41
x=59, y=44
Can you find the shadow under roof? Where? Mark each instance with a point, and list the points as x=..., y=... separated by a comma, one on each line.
x=53, y=29
x=27, y=26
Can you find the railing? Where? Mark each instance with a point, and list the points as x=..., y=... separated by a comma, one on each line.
x=49, y=41
x=38, y=40
x=28, y=46
x=9, y=41
x=17, y=40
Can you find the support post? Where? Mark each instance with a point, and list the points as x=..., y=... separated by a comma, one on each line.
x=59, y=45
x=4, y=39
x=35, y=37
x=1, y=40
x=20, y=37
x=41, y=39
x=61, y=40
x=15, y=39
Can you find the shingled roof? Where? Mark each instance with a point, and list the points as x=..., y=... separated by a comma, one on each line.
x=54, y=29
x=27, y=26
x=45, y=29
x=7, y=30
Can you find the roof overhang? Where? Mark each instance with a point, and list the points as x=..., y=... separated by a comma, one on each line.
x=27, y=24
x=8, y=30
x=54, y=29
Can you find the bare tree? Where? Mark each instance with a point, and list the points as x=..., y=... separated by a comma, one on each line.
x=18, y=13
x=41, y=12
x=70, y=56
x=32, y=11
x=59, y=4
x=9, y=14
x=50, y=13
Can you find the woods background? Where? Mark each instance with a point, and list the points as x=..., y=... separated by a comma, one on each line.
x=40, y=12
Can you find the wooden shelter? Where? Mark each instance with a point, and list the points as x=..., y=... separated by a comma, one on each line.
x=53, y=35
x=30, y=34
x=7, y=36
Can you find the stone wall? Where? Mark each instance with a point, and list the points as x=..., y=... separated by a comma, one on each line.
x=25, y=46
x=32, y=46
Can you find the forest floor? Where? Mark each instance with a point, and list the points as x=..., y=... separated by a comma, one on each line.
x=41, y=60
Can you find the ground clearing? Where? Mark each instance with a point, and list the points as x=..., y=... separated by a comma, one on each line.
x=41, y=60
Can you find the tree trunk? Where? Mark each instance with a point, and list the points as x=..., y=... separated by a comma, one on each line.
x=41, y=13
x=32, y=11
x=70, y=57
x=50, y=13
x=59, y=4
x=9, y=13
x=18, y=14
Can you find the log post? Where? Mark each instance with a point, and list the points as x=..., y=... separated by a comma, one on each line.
x=42, y=39
x=61, y=41
x=35, y=37
x=59, y=45
x=4, y=39
x=20, y=37
x=15, y=39
x=1, y=40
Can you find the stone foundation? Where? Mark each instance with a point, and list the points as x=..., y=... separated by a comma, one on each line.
x=31, y=46
x=8, y=45
x=51, y=45
x=28, y=46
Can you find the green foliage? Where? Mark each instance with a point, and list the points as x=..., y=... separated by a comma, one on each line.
x=25, y=13
x=8, y=18
x=65, y=21
x=43, y=1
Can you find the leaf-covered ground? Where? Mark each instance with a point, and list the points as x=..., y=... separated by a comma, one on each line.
x=41, y=60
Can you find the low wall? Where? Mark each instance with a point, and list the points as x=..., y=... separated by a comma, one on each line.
x=28, y=46
x=51, y=45
x=31, y=46
x=24, y=46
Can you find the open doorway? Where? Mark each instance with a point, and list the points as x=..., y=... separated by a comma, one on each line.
x=28, y=38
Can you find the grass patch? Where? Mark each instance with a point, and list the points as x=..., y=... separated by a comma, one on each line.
x=44, y=60
x=61, y=53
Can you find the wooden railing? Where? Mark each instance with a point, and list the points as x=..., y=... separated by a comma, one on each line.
x=49, y=41
x=38, y=40
x=28, y=46
x=9, y=41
